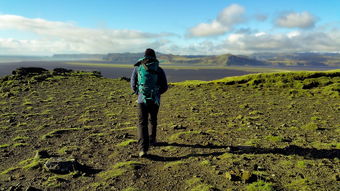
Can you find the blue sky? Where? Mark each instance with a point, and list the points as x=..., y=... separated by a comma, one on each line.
x=37, y=27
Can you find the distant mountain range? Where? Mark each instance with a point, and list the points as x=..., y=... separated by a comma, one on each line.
x=257, y=59
x=220, y=60
x=299, y=59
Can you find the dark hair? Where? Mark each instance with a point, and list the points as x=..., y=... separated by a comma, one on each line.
x=150, y=53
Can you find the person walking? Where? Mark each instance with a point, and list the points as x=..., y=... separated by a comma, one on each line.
x=148, y=81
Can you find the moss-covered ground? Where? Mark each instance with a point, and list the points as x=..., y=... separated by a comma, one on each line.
x=276, y=131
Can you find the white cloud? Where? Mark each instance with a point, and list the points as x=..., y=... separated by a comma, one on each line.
x=61, y=37
x=225, y=21
x=318, y=40
x=293, y=34
x=294, y=41
x=296, y=20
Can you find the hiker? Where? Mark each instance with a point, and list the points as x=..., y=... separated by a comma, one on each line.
x=148, y=81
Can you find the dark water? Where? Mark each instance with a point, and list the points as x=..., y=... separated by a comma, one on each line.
x=173, y=75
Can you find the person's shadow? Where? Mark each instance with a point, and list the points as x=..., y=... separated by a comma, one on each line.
x=309, y=153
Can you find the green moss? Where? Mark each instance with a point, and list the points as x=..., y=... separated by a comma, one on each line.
x=274, y=138
x=286, y=163
x=126, y=143
x=11, y=169
x=27, y=103
x=193, y=181
x=19, y=138
x=20, y=144
x=33, y=165
x=131, y=189
x=299, y=184
x=196, y=184
x=260, y=186
x=315, y=118
x=205, y=162
x=252, y=142
x=98, y=134
x=59, y=132
x=120, y=169
x=57, y=180
x=225, y=156
x=302, y=163
x=310, y=126
x=68, y=149
x=4, y=146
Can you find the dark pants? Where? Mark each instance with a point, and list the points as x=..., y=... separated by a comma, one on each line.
x=147, y=115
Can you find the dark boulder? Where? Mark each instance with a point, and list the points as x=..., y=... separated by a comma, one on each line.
x=61, y=71
x=28, y=71
x=61, y=165
x=125, y=79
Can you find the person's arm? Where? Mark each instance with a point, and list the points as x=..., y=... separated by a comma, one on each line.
x=163, y=83
x=134, y=80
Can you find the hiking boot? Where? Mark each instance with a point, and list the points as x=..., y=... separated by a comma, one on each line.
x=142, y=154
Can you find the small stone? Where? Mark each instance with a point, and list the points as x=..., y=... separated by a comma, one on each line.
x=30, y=188
x=178, y=127
x=61, y=166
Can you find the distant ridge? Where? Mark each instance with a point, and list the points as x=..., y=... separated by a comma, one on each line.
x=306, y=59
x=219, y=60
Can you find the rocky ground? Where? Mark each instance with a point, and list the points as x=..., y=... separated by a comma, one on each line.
x=256, y=132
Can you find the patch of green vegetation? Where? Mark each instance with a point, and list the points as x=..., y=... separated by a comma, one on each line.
x=4, y=146
x=19, y=138
x=120, y=169
x=252, y=142
x=57, y=180
x=33, y=163
x=57, y=132
x=274, y=138
x=260, y=186
x=68, y=149
x=286, y=163
x=205, y=162
x=4, y=127
x=302, y=163
x=312, y=126
x=299, y=184
x=131, y=189
x=126, y=143
x=173, y=164
x=20, y=144
x=11, y=169
x=225, y=156
x=196, y=184
x=98, y=134
x=27, y=103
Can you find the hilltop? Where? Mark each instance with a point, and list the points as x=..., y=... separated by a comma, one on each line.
x=276, y=131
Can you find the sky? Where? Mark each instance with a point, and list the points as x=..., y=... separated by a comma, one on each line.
x=183, y=27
